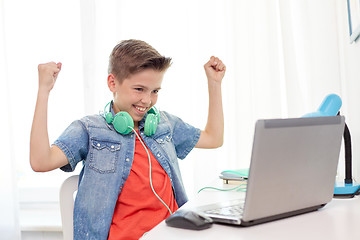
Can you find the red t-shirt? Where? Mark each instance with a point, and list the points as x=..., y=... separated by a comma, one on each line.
x=138, y=210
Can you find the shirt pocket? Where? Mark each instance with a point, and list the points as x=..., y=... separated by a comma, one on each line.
x=164, y=140
x=103, y=155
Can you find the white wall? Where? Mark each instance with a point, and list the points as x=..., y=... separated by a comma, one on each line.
x=349, y=54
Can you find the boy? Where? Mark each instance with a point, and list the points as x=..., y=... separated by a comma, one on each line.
x=126, y=188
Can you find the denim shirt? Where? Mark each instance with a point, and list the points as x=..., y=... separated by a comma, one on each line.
x=107, y=158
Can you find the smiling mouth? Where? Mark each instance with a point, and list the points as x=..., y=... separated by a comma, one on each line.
x=141, y=109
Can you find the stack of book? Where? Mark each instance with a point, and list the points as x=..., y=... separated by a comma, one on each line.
x=234, y=176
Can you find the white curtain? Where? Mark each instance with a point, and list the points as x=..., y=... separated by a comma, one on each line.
x=9, y=222
x=283, y=57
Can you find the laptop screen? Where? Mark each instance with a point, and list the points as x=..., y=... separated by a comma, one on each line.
x=293, y=165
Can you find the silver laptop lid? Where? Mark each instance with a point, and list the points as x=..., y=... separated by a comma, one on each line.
x=293, y=165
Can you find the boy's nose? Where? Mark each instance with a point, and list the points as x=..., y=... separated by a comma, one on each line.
x=146, y=99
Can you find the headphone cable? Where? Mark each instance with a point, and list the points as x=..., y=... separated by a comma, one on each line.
x=151, y=185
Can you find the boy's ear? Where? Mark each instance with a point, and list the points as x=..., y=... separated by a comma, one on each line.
x=111, y=81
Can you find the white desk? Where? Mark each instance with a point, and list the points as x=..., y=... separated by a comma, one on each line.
x=339, y=219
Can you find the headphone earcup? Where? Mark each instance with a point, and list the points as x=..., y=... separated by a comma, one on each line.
x=122, y=121
x=151, y=123
x=154, y=111
x=109, y=117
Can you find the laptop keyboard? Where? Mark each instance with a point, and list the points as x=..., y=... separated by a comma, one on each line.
x=235, y=210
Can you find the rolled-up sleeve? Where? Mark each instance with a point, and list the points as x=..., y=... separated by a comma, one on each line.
x=185, y=136
x=74, y=142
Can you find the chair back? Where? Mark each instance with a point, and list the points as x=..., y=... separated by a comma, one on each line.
x=67, y=189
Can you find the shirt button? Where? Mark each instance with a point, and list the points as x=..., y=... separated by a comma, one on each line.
x=127, y=159
x=98, y=145
x=158, y=155
x=112, y=146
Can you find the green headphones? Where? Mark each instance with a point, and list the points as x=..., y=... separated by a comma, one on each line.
x=123, y=123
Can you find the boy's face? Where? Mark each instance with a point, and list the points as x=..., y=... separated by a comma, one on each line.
x=137, y=93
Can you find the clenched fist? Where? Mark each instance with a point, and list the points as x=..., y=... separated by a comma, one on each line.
x=48, y=73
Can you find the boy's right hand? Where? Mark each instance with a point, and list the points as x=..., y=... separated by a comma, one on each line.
x=48, y=73
x=44, y=157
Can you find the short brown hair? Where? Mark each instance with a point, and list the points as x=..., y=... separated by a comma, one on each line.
x=132, y=56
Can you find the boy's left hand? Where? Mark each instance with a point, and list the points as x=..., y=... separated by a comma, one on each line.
x=213, y=134
x=215, y=69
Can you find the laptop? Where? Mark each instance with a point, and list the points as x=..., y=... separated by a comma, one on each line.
x=292, y=171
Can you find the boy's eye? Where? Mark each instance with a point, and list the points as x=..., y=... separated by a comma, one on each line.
x=138, y=89
x=156, y=91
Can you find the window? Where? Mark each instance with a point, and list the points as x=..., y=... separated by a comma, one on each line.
x=44, y=32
